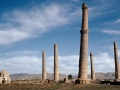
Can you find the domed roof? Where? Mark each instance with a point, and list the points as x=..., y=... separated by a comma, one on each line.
x=4, y=72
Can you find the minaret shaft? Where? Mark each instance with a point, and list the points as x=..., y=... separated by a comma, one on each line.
x=83, y=58
x=56, y=65
x=117, y=70
x=83, y=62
x=43, y=65
x=85, y=18
x=92, y=67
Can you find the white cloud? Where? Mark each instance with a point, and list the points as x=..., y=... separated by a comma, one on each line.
x=111, y=31
x=104, y=63
x=21, y=24
x=117, y=21
x=26, y=24
x=67, y=64
x=92, y=10
x=38, y=20
x=33, y=64
x=119, y=54
x=8, y=36
x=20, y=53
x=114, y=23
x=99, y=10
x=23, y=64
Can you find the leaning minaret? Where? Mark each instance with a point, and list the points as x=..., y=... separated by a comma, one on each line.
x=117, y=71
x=56, y=66
x=92, y=67
x=83, y=60
x=43, y=65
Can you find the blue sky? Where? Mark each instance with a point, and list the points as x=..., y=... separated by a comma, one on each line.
x=29, y=26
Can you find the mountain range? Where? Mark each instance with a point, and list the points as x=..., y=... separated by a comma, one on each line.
x=23, y=76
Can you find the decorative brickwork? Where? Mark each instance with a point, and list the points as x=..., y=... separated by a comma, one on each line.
x=83, y=60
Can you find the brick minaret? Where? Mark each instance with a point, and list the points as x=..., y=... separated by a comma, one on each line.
x=56, y=66
x=83, y=60
x=92, y=67
x=117, y=71
x=43, y=65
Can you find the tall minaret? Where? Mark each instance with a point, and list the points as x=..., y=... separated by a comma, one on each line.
x=92, y=67
x=43, y=65
x=56, y=65
x=83, y=60
x=117, y=70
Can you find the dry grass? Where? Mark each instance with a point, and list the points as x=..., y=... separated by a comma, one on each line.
x=59, y=87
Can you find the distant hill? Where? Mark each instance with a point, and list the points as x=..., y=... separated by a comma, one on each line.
x=100, y=75
x=109, y=75
x=34, y=76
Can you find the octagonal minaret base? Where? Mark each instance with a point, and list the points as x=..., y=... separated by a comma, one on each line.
x=83, y=81
x=83, y=60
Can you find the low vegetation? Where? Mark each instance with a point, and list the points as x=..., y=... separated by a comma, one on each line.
x=62, y=86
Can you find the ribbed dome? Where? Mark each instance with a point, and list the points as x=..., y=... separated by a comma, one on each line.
x=4, y=72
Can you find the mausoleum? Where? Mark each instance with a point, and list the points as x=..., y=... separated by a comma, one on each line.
x=4, y=77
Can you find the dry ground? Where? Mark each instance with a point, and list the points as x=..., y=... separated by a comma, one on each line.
x=59, y=87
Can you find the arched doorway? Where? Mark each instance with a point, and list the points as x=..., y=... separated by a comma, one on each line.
x=3, y=81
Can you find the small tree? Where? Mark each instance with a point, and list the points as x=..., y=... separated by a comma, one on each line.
x=70, y=76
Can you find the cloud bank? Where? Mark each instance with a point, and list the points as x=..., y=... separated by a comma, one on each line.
x=67, y=64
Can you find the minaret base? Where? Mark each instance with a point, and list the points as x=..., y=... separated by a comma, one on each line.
x=117, y=80
x=83, y=81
